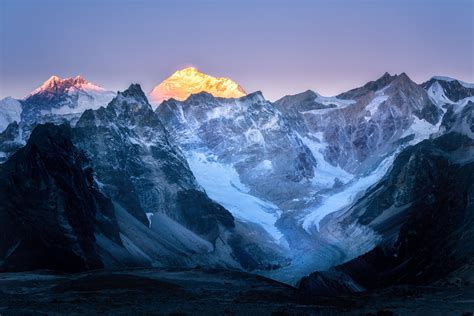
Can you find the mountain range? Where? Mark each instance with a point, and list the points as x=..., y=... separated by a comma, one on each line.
x=336, y=194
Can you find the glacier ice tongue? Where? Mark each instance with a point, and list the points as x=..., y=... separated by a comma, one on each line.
x=222, y=183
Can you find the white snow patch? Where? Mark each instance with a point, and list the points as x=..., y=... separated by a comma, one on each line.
x=346, y=197
x=222, y=184
x=265, y=165
x=437, y=96
x=373, y=106
x=326, y=173
x=86, y=100
x=149, y=217
x=254, y=136
x=10, y=111
x=421, y=129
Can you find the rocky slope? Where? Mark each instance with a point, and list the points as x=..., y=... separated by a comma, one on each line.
x=163, y=215
x=445, y=90
x=358, y=128
x=286, y=166
x=423, y=209
x=50, y=206
x=247, y=134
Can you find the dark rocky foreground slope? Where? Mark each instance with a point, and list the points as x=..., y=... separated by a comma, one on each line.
x=208, y=292
x=50, y=208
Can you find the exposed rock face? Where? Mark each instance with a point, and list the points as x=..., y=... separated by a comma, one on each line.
x=249, y=135
x=140, y=169
x=162, y=215
x=459, y=118
x=184, y=82
x=449, y=89
x=424, y=211
x=50, y=207
x=294, y=155
x=358, y=128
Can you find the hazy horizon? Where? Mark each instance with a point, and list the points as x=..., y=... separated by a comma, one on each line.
x=278, y=47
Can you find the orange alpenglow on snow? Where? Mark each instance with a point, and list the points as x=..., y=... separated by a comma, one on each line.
x=185, y=82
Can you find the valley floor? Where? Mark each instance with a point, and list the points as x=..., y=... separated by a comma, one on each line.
x=207, y=292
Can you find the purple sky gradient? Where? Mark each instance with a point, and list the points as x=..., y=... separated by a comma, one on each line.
x=278, y=47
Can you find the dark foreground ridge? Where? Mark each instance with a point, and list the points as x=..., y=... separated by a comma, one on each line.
x=206, y=292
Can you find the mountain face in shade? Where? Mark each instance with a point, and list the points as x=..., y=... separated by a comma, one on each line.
x=184, y=82
x=247, y=133
x=423, y=210
x=245, y=156
x=445, y=90
x=62, y=97
x=287, y=166
x=147, y=177
x=50, y=206
x=459, y=118
x=365, y=124
x=138, y=167
x=10, y=111
x=244, y=183
x=160, y=213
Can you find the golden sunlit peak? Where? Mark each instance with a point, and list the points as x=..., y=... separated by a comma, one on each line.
x=188, y=69
x=181, y=84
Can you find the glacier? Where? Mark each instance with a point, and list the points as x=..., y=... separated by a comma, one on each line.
x=222, y=183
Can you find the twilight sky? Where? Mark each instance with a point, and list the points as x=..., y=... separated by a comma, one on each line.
x=278, y=47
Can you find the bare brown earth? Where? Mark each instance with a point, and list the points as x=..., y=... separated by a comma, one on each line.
x=208, y=292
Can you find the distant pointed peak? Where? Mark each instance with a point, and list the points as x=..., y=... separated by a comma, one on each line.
x=53, y=78
x=80, y=80
x=56, y=84
x=132, y=98
x=134, y=91
x=310, y=94
x=385, y=77
x=404, y=76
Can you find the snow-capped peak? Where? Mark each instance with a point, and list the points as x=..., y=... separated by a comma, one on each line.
x=56, y=84
x=181, y=84
x=67, y=96
x=449, y=79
